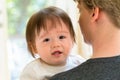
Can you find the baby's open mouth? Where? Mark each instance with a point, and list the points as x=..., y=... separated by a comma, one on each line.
x=57, y=53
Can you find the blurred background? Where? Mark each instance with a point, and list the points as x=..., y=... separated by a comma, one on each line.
x=14, y=15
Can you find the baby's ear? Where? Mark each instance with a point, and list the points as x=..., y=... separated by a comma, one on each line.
x=34, y=50
x=33, y=47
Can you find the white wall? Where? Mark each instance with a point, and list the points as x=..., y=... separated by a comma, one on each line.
x=4, y=73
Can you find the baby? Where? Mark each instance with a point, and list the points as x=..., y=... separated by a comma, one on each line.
x=50, y=35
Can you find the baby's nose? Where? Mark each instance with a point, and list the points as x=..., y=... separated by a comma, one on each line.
x=55, y=44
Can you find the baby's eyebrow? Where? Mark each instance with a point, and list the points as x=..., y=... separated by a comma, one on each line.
x=46, y=33
x=63, y=31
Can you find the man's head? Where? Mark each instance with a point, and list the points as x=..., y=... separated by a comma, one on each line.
x=110, y=7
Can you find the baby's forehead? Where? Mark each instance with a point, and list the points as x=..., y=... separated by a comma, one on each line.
x=58, y=29
x=50, y=25
x=54, y=23
x=53, y=31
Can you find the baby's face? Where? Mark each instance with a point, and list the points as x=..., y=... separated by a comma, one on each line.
x=54, y=44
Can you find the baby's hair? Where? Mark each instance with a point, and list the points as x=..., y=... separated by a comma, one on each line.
x=39, y=21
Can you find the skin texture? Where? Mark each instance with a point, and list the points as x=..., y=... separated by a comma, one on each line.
x=54, y=44
x=99, y=31
x=84, y=22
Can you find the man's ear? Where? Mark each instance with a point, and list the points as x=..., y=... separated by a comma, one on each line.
x=95, y=14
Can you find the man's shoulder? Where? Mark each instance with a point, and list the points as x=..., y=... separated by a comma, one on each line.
x=67, y=75
x=75, y=58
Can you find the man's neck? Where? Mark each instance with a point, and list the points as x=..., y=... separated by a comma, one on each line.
x=107, y=47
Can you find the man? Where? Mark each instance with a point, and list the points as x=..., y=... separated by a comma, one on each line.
x=100, y=25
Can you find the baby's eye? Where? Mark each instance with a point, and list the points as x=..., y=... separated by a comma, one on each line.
x=61, y=37
x=46, y=40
